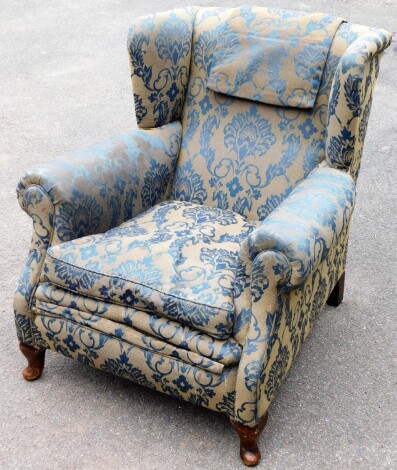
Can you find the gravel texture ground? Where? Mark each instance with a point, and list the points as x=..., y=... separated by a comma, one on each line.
x=65, y=84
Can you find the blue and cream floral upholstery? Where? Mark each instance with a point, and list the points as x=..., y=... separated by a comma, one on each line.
x=192, y=256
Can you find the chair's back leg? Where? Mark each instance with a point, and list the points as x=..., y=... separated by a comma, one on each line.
x=336, y=296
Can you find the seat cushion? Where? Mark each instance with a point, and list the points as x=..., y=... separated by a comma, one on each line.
x=178, y=260
x=142, y=329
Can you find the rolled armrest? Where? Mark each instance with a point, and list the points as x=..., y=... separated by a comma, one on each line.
x=99, y=188
x=306, y=224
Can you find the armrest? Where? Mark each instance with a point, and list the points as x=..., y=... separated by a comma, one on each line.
x=96, y=189
x=351, y=98
x=306, y=224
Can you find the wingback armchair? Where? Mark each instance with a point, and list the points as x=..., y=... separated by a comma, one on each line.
x=193, y=255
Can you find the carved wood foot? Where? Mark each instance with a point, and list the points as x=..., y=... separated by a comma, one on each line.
x=336, y=296
x=249, y=451
x=35, y=357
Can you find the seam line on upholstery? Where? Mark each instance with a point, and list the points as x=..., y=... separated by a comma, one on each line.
x=90, y=296
x=45, y=313
x=140, y=284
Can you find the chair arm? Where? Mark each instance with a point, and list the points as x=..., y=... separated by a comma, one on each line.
x=99, y=188
x=351, y=98
x=306, y=224
x=90, y=192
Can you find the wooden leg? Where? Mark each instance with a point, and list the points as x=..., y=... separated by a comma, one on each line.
x=336, y=296
x=35, y=357
x=249, y=451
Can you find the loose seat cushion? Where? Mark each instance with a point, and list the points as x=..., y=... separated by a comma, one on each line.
x=178, y=259
x=55, y=301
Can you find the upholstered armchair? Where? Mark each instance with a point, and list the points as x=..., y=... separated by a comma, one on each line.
x=193, y=255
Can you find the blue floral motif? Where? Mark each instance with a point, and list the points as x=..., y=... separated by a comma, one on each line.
x=205, y=105
x=173, y=41
x=165, y=80
x=173, y=92
x=234, y=186
x=307, y=128
x=123, y=368
x=249, y=134
x=341, y=148
x=352, y=92
x=189, y=185
x=71, y=343
x=204, y=214
x=277, y=372
x=156, y=179
x=183, y=385
x=78, y=217
x=226, y=405
x=74, y=277
x=140, y=110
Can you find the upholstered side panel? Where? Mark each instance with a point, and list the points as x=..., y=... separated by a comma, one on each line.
x=243, y=155
x=159, y=47
x=275, y=339
x=143, y=366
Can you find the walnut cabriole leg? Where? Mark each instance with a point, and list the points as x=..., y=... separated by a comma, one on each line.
x=35, y=357
x=249, y=451
x=336, y=296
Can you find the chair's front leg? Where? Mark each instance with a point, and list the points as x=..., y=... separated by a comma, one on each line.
x=35, y=357
x=249, y=451
x=336, y=296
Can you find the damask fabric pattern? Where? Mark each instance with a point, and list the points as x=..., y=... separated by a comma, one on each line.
x=160, y=46
x=178, y=259
x=242, y=155
x=280, y=322
x=145, y=367
x=89, y=192
x=226, y=351
x=259, y=288
x=300, y=231
x=272, y=57
x=127, y=334
x=307, y=224
x=275, y=339
x=351, y=99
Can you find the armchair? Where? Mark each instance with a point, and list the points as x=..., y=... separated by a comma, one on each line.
x=193, y=255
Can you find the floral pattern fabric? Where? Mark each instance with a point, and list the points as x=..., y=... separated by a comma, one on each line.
x=239, y=154
x=89, y=192
x=141, y=365
x=271, y=57
x=226, y=351
x=243, y=274
x=351, y=99
x=307, y=224
x=160, y=47
x=177, y=259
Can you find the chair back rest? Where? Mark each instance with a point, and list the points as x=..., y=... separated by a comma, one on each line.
x=242, y=154
x=252, y=88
